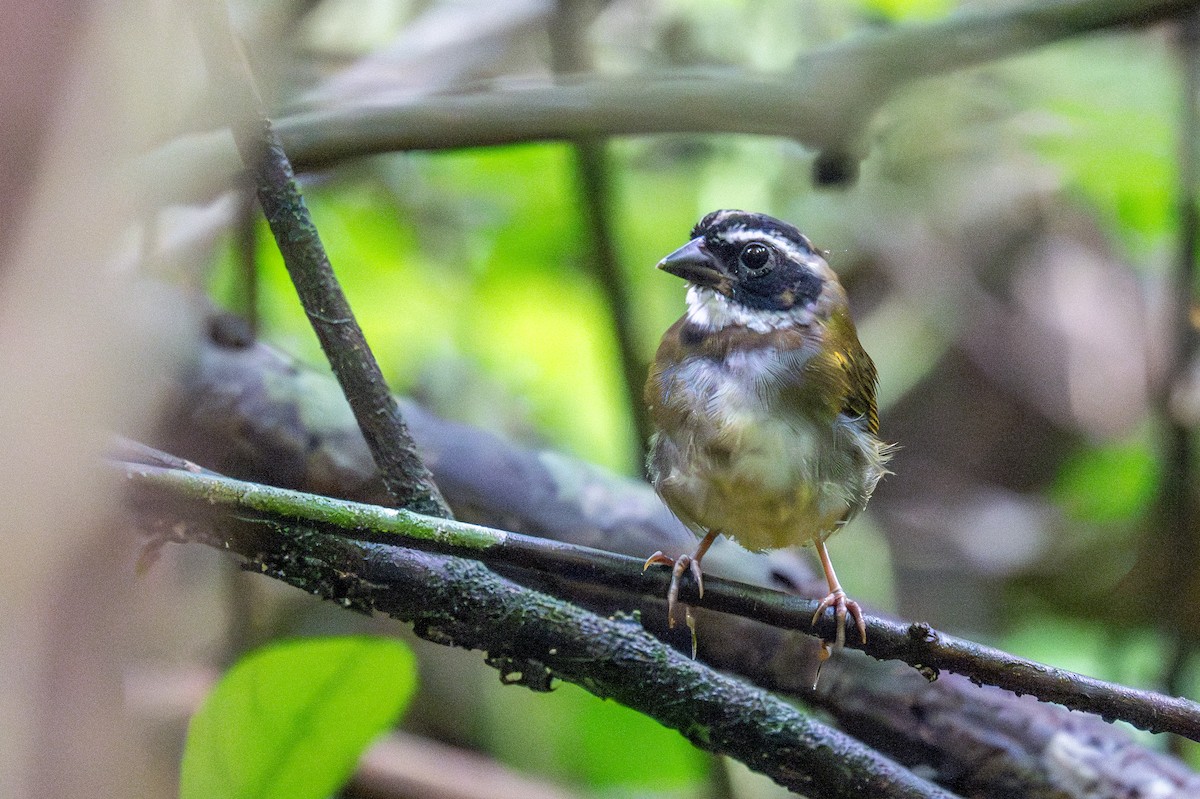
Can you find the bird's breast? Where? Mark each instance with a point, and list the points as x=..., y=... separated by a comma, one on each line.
x=730, y=454
x=723, y=415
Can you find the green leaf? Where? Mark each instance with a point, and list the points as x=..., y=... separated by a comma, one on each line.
x=292, y=719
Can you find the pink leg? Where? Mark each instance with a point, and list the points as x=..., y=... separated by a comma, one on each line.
x=839, y=602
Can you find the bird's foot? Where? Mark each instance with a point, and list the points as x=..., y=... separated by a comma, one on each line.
x=678, y=567
x=842, y=606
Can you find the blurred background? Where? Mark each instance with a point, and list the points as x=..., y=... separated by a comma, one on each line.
x=1011, y=246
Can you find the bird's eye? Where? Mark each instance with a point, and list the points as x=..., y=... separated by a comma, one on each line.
x=755, y=256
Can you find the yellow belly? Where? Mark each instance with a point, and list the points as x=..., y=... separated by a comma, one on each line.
x=767, y=485
x=761, y=520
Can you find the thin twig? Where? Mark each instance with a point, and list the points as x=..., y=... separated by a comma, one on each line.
x=916, y=644
x=404, y=474
x=246, y=238
x=569, y=57
x=1176, y=531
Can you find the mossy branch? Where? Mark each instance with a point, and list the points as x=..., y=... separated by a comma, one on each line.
x=528, y=636
x=916, y=644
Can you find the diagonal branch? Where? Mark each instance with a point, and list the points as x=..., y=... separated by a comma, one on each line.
x=916, y=644
x=404, y=474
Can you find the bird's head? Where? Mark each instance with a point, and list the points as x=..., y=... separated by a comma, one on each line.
x=755, y=270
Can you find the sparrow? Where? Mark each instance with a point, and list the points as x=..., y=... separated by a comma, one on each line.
x=763, y=401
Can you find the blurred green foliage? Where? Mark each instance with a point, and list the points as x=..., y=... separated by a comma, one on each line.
x=1106, y=484
x=1087, y=648
x=909, y=9
x=505, y=289
x=1106, y=115
x=574, y=737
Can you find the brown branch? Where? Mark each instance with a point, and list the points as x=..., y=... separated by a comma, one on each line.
x=915, y=644
x=405, y=476
x=403, y=765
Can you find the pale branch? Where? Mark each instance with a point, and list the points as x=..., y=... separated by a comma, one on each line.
x=404, y=474
x=916, y=644
x=824, y=101
x=532, y=638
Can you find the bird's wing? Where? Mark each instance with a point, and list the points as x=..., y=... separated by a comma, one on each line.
x=831, y=374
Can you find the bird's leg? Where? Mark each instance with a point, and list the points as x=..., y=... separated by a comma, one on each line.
x=841, y=605
x=679, y=566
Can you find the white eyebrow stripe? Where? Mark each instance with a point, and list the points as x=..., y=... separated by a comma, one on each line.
x=741, y=235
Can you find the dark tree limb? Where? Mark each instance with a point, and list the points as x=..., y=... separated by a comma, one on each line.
x=255, y=414
x=916, y=644
x=532, y=638
x=404, y=475
x=1179, y=506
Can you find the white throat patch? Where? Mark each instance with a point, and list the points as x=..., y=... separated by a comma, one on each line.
x=713, y=311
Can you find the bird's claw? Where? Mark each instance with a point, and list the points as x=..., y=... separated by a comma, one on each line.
x=658, y=558
x=842, y=606
x=697, y=575
x=678, y=567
